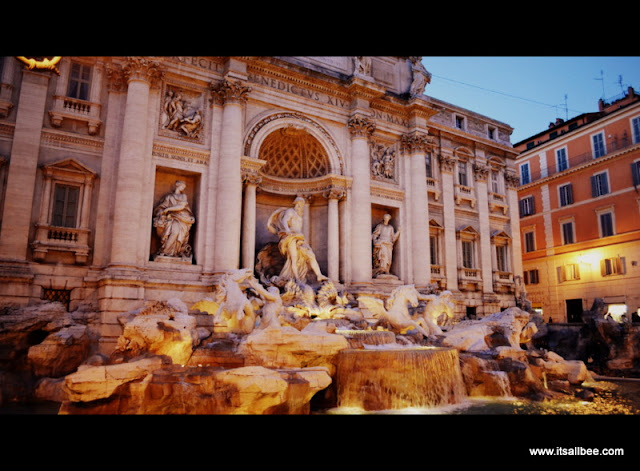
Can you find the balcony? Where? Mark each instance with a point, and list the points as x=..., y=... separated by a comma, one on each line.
x=78, y=110
x=469, y=279
x=464, y=193
x=503, y=282
x=61, y=239
x=433, y=188
x=498, y=203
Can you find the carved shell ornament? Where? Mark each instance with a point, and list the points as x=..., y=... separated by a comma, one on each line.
x=42, y=63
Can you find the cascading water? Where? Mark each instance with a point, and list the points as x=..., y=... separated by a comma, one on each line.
x=387, y=378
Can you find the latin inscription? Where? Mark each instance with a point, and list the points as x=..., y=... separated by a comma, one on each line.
x=298, y=90
x=201, y=62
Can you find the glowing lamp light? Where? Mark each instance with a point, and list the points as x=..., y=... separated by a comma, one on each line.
x=588, y=259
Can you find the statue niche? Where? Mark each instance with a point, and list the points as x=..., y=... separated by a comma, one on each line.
x=172, y=220
x=294, y=259
x=384, y=237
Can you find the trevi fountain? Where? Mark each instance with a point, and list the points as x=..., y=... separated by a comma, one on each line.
x=284, y=339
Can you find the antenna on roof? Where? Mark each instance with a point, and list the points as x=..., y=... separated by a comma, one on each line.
x=566, y=108
x=602, y=80
x=620, y=83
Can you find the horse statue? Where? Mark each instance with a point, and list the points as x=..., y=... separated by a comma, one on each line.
x=396, y=311
x=438, y=311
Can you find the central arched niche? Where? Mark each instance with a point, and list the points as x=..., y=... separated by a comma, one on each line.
x=296, y=164
x=291, y=152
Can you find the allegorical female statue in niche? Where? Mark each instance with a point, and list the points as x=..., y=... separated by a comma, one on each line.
x=384, y=237
x=173, y=219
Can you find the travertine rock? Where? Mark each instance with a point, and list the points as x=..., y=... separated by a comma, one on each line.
x=172, y=389
x=60, y=353
x=99, y=382
x=161, y=329
x=287, y=347
x=478, y=335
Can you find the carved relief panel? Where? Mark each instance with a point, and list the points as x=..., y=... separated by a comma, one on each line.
x=383, y=162
x=182, y=114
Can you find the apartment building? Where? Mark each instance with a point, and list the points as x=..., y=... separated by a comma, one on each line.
x=579, y=202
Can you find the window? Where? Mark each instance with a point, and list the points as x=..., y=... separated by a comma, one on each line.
x=599, y=184
x=567, y=232
x=79, y=81
x=491, y=132
x=597, y=141
x=527, y=206
x=63, y=223
x=531, y=277
x=460, y=122
x=611, y=266
x=434, y=248
x=65, y=206
x=468, y=254
x=462, y=173
x=501, y=258
x=529, y=241
x=525, y=175
x=561, y=159
x=495, y=182
x=605, y=221
x=566, y=194
x=635, y=125
x=635, y=173
x=569, y=272
x=427, y=161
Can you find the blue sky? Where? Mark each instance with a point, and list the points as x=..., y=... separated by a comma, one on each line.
x=528, y=93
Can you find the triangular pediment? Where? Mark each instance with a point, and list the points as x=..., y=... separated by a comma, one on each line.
x=468, y=230
x=500, y=235
x=69, y=165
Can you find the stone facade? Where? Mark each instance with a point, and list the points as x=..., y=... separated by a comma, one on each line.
x=90, y=147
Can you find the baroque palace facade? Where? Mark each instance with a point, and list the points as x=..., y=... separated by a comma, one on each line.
x=90, y=147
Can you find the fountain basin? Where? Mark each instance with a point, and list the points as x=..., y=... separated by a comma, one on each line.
x=388, y=378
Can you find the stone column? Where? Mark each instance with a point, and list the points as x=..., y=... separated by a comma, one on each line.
x=233, y=95
x=333, y=233
x=416, y=145
x=481, y=173
x=361, y=129
x=249, y=221
x=21, y=176
x=125, y=251
x=447, y=166
x=117, y=87
x=512, y=182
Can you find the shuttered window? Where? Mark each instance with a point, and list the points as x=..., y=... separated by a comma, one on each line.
x=599, y=184
x=65, y=206
x=566, y=194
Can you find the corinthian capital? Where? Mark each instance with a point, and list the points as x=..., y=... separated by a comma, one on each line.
x=361, y=126
x=116, y=81
x=229, y=91
x=416, y=142
x=142, y=68
x=447, y=163
x=481, y=172
x=512, y=179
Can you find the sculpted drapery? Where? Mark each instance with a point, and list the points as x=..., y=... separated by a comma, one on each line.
x=173, y=219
